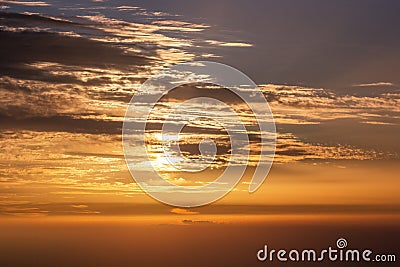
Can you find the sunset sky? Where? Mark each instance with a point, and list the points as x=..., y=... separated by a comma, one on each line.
x=329, y=70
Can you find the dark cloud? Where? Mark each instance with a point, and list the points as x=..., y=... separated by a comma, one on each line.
x=60, y=124
x=31, y=38
x=29, y=47
x=43, y=92
x=18, y=20
x=194, y=90
x=197, y=222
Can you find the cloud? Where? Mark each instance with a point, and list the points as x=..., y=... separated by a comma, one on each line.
x=25, y=3
x=125, y=7
x=374, y=84
x=228, y=44
x=81, y=206
x=183, y=211
x=60, y=124
x=54, y=47
x=196, y=222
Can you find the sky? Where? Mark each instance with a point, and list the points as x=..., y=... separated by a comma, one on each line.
x=68, y=70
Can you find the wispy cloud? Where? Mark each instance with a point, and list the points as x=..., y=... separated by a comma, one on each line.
x=183, y=211
x=228, y=44
x=80, y=206
x=26, y=3
x=195, y=222
x=374, y=84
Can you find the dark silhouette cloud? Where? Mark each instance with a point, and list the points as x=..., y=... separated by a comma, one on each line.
x=60, y=124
